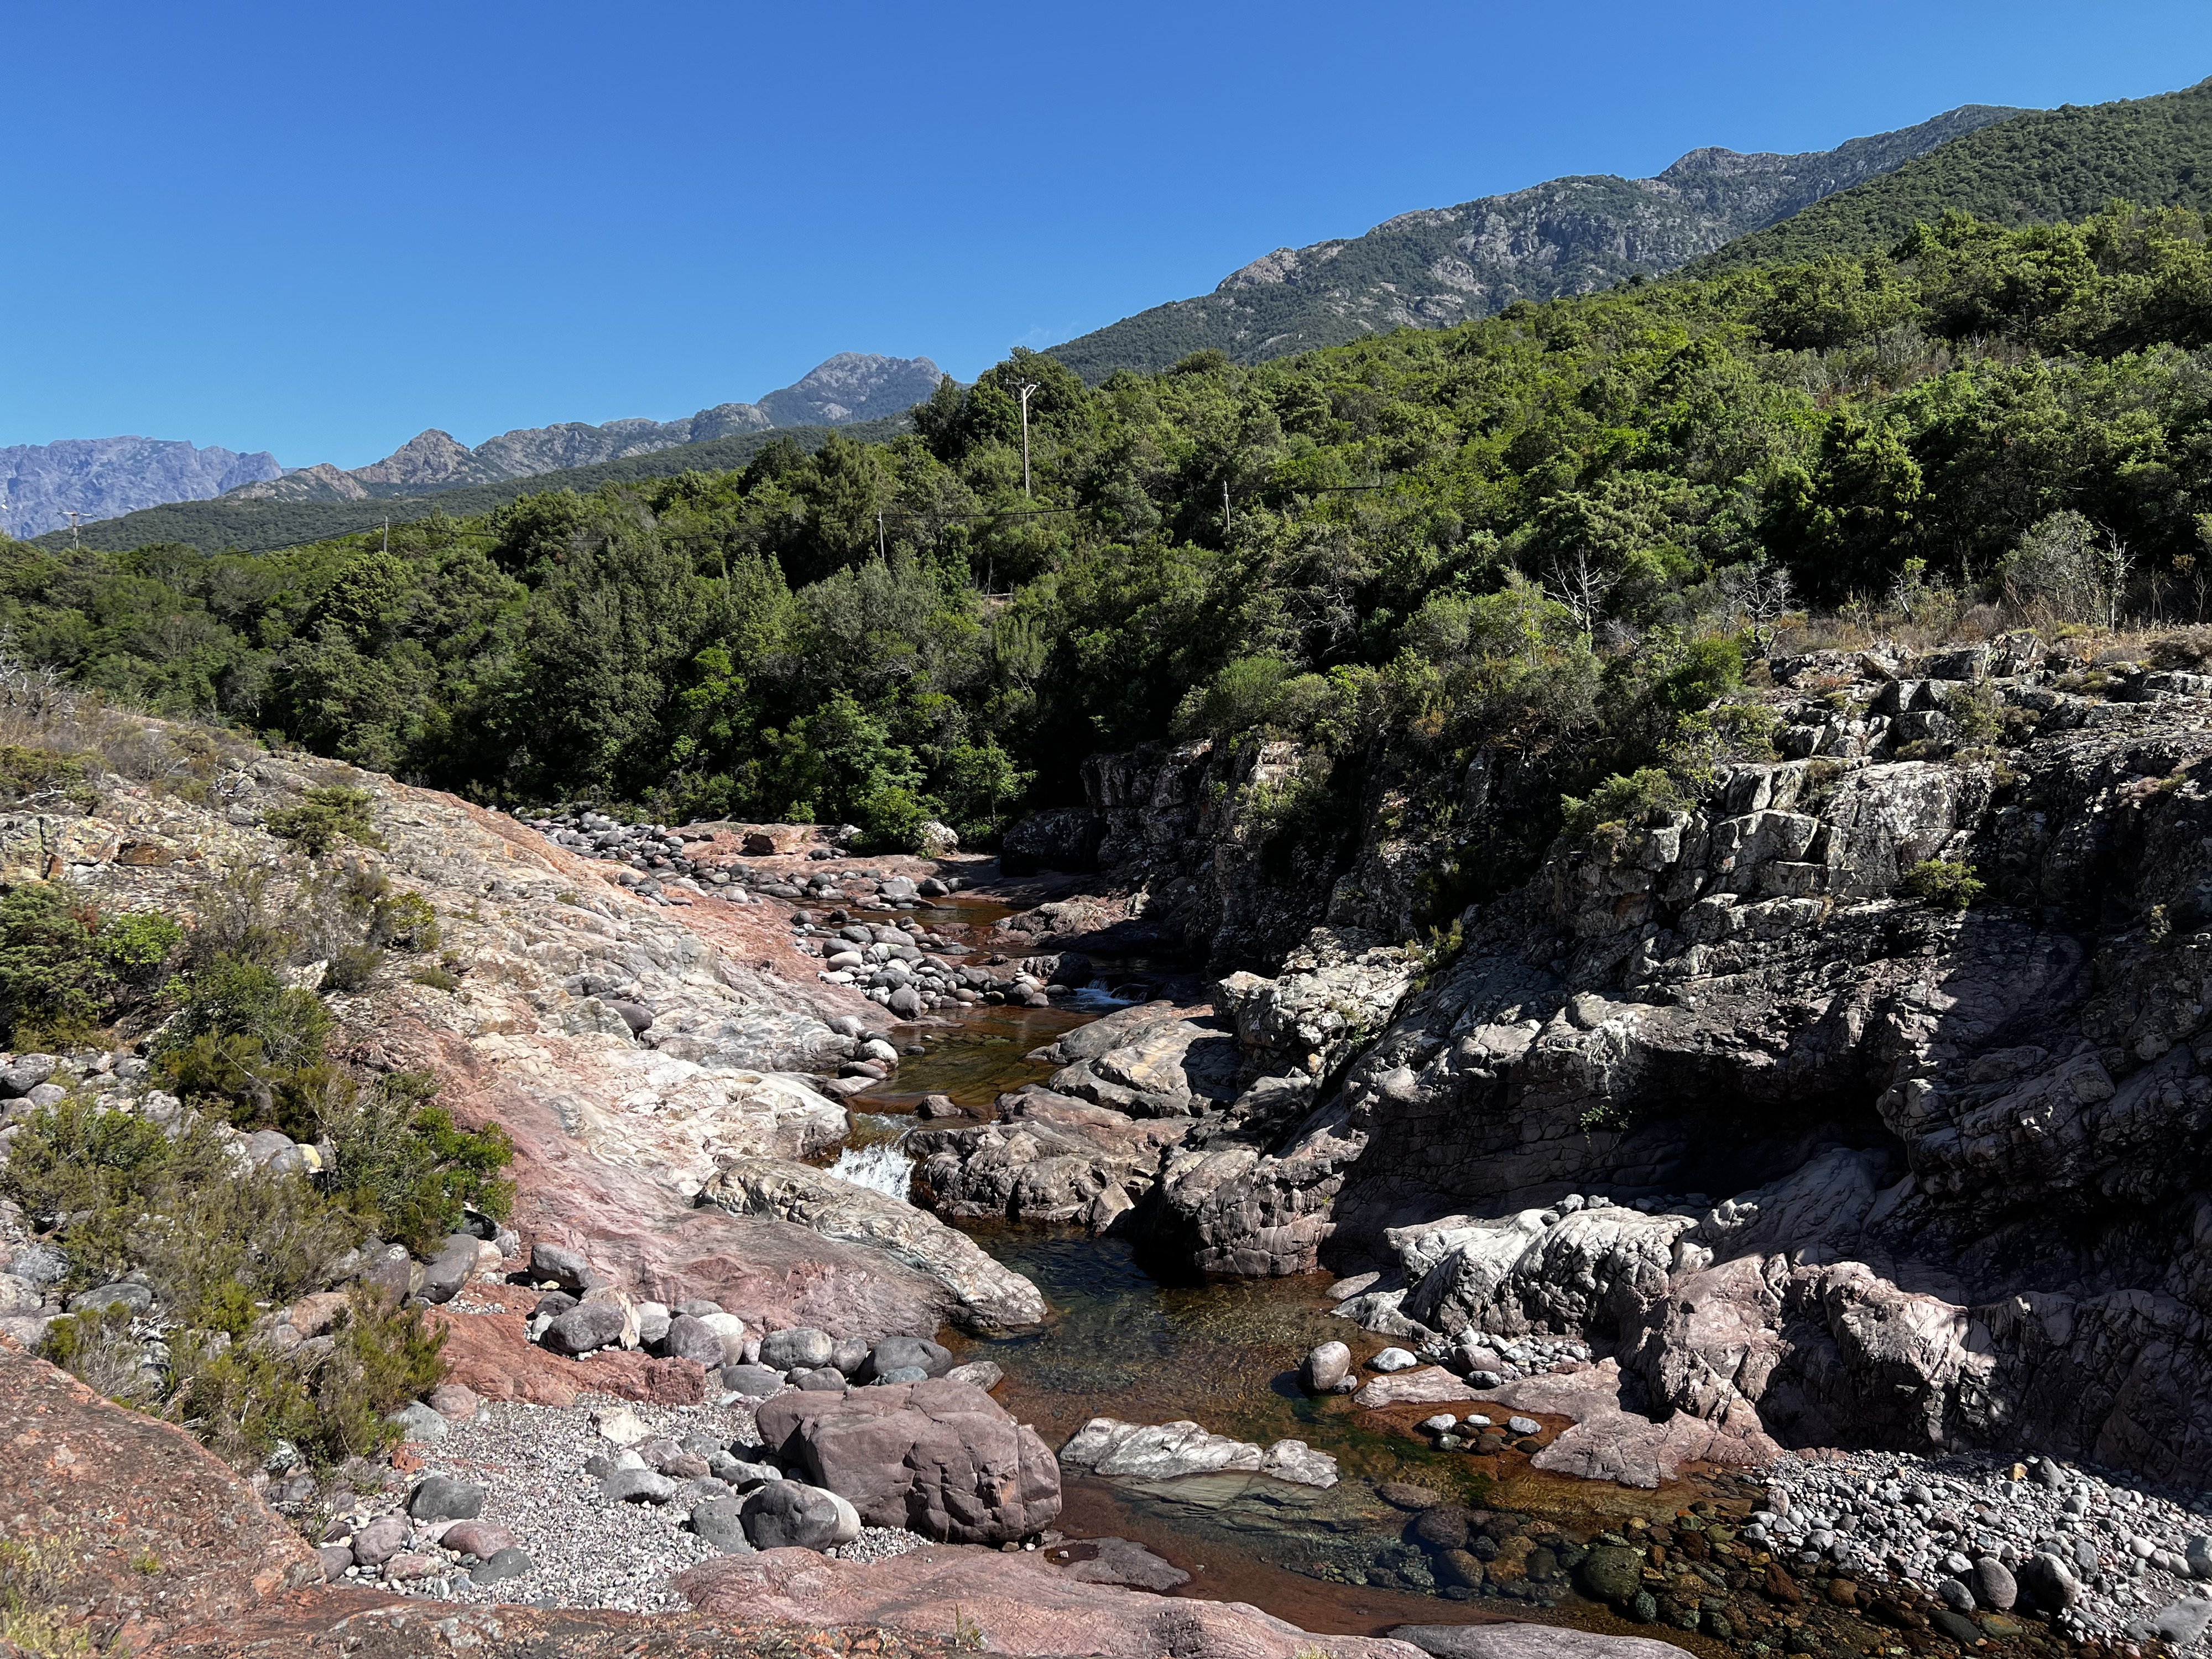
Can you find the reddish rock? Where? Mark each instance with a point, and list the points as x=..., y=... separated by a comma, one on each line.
x=478, y=1538
x=1608, y=1443
x=940, y=1458
x=111, y=1489
x=492, y=1355
x=1021, y=1606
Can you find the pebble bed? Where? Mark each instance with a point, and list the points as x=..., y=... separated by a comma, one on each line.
x=2128, y=1555
x=585, y=1551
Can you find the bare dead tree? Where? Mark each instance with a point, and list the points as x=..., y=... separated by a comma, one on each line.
x=1583, y=587
x=1761, y=594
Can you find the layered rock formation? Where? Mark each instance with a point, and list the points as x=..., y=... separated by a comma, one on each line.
x=1958, y=1151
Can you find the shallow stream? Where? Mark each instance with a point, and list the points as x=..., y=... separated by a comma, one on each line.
x=1123, y=1344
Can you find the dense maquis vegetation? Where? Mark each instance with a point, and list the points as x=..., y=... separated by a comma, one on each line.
x=2038, y=166
x=1558, y=520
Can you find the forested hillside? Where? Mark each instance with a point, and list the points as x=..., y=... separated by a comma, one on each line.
x=1561, y=528
x=1433, y=267
x=2040, y=167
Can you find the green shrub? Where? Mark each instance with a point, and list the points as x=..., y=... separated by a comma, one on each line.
x=435, y=977
x=1626, y=802
x=1708, y=670
x=329, y=815
x=66, y=970
x=892, y=817
x=1976, y=711
x=350, y=968
x=404, y=1162
x=242, y=1397
x=1241, y=696
x=1944, y=883
x=403, y=922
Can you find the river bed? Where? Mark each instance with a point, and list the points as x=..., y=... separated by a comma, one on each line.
x=1122, y=1343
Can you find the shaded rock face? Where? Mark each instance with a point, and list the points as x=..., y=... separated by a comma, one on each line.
x=102, y=1486
x=940, y=1457
x=1961, y=1155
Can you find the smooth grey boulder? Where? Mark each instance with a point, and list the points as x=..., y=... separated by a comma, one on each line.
x=756, y=1382
x=1994, y=1586
x=798, y=1348
x=586, y=1326
x=451, y=1268
x=562, y=1265
x=900, y=1352
x=721, y=1523
x=691, y=1338
x=1328, y=1369
x=791, y=1515
x=442, y=1497
x=509, y=1563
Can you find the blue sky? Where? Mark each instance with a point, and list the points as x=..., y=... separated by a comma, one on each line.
x=319, y=229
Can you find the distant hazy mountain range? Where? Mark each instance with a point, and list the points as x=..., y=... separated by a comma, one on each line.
x=105, y=478
x=850, y=386
x=100, y=477
x=1435, y=267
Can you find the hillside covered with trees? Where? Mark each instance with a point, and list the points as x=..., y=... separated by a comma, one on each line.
x=1561, y=527
x=2041, y=166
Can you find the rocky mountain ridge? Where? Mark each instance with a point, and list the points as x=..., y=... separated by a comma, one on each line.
x=40, y=485
x=849, y=387
x=1435, y=267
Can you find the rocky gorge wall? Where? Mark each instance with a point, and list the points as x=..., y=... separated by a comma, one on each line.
x=1724, y=1094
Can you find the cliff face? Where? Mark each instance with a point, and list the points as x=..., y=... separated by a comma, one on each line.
x=1726, y=1095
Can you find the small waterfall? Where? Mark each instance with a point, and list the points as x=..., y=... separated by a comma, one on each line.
x=882, y=1167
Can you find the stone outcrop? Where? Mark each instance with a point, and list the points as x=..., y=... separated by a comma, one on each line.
x=1958, y=1151
x=984, y=1295
x=938, y=1457
x=1169, y=1451
x=1019, y=1606
x=98, y=1491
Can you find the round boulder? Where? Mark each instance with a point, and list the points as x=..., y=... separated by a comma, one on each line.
x=586, y=1326
x=1327, y=1370
x=509, y=1563
x=754, y=1382
x=790, y=1514
x=721, y=1523
x=379, y=1540
x=850, y=1354
x=693, y=1339
x=1610, y=1573
x=799, y=1348
x=898, y=1352
x=441, y=1498
x=1994, y=1587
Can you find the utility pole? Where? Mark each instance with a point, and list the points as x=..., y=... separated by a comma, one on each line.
x=387, y=535
x=76, y=541
x=1224, y=513
x=1028, y=386
x=879, y=539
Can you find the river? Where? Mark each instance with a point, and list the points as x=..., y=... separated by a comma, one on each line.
x=1121, y=1343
